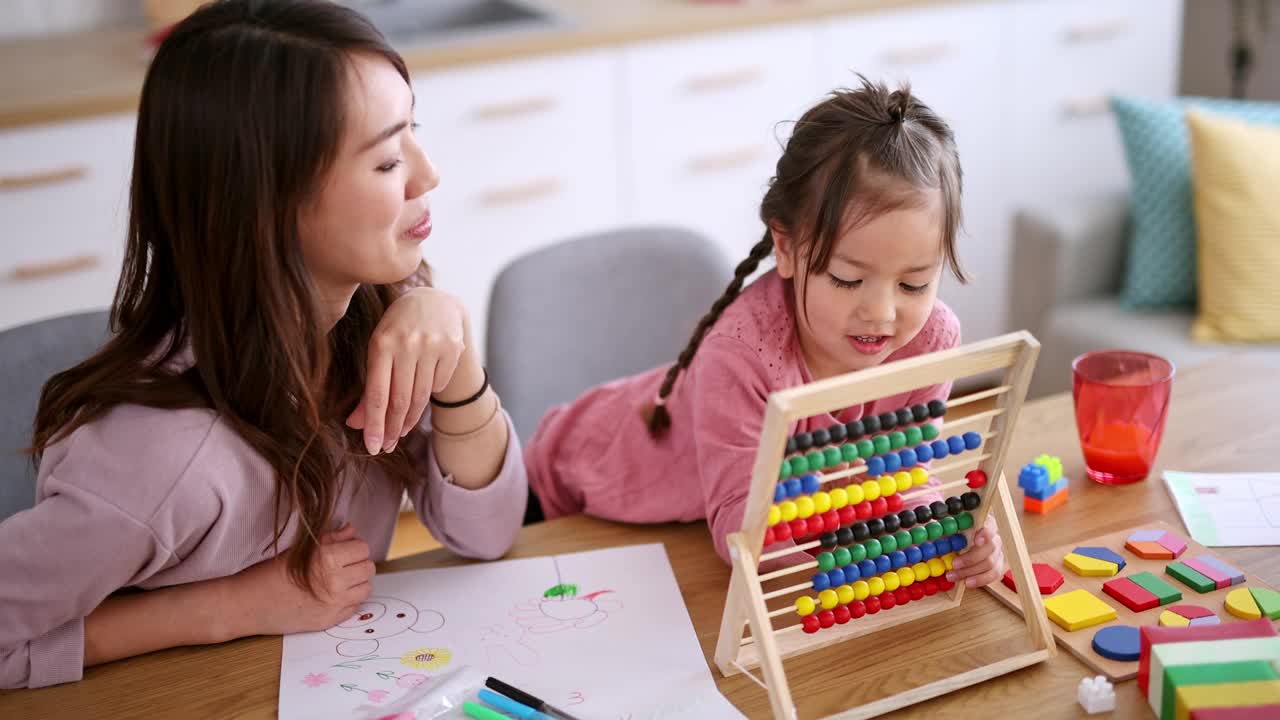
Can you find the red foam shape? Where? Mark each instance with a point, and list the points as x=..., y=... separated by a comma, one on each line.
x=1047, y=578
x=1190, y=612
x=1130, y=594
x=1155, y=635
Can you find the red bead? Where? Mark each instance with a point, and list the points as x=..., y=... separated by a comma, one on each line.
x=863, y=510
x=799, y=528
x=831, y=521
x=857, y=609
x=842, y=614
x=976, y=478
x=879, y=507
x=895, y=502
x=931, y=586
x=810, y=624
x=887, y=601
x=816, y=525
x=847, y=515
x=902, y=595
x=826, y=618
x=873, y=604
x=917, y=591
x=768, y=536
x=944, y=584
x=782, y=531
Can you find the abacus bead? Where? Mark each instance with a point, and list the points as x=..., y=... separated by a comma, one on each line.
x=901, y=481
x=820, y=582
x=854, y=491
x=919, y=534
x=788, y=510
x=937, y=408
x=934, y=529
x=875, y=466
x=958, y=543
x=921, y=570
x=923, y=514
x=949, y=526
x=775, y=515
x=863, y=510
x=883, y=564
x=954, y=505
x=821, y=502
x=846, y=514
x=871, y=424
x=873, y=605
x=830, y=521
x=904, y=538
x=914, y=555
x=828, y=541
x=897, y=559
x=940, y=449
x=785, y=472
x=888, y=421
x=902, y=595
x=780, y=492
x=842, y=555
x=914, y=435
x=810, y=483
x=928, y=550
x=860, y=532
x=938, y=509
x=888, y=543
x=816, y=460
x=906, y=576
x=887, y=601
x=897, y=440
x=971, y=500
x=854, y=430
x=919, y=476
x=945, y=584
x=857, y=554
x=812, y=526
x=836, y=577
x=888, y=485
x=791, y=445
x=867, y=569
x=820, y=437
x=827, y=599
x=919, y=412
x=804, y=506
x=929, y=431
x=964, y=521
x=848, y=452
x=908, y=457
x=917, y=592
x=836, y=433
x=826, y=561
x=810, y=624
x=793, y=486
x=905, y=417
x=870, y=489
x=873, y=548
x=879, y=507
x=875, y=586
x=892, y=463
x=930, y=587
x=972, y=440
x=805, y=605
x=891, y=582
x=881, y=444
x=955, y=444
x=875, y=526
x=831, y=456
x=844, y=594
x=799, y=465
x=826, y=618
x=839, y=497
x=768, y=537
x=782, y=531
x=890, y=523
x=906, y=519
x=841, y=614
x=937, y=567
x=804, y=441
x=844, y=538
x=924, y=453
x=895, y=503
x=947, y=560
x=857, y=609
x=866, y=448
x=976, y=478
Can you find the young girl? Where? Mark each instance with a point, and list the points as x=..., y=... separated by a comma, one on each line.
x=862, y=216
x=273, y=292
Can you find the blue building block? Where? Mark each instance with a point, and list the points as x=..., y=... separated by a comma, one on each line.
x=1033, y=478
x=1048, y=492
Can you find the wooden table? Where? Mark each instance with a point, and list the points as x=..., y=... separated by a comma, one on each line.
x=1225, y=416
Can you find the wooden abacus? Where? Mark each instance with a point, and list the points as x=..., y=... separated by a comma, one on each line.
x=855, y=608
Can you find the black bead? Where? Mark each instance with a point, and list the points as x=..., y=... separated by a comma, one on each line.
x=890, y=524
x=871, y=424
x=939, y=510
x=905, y=417
x=971, y=500
x=837, y=433
x=854, y=430
x=937, y=408
x=791, y=445
x=828, y=541
x=888, y=421
x=919, y=412
x=844, y=536
x=804, y=441
x=906, y=519
x=955, y=505
x=875, y=526
x=821, y=437
x=923, y=514
x=860, y=532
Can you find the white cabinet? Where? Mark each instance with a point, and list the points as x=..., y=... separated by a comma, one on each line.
x=527, y=154
x=63, y=213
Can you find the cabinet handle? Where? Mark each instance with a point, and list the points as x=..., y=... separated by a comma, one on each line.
x=53, y=268
x=41, y=178
x=917, y=55
x=521, y=107
x=726, y=160
x=1096, y=31
x=1085, y=106
x=520, y=193
x=721, y=81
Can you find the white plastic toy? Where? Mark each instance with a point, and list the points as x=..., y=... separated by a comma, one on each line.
x=1096, y=695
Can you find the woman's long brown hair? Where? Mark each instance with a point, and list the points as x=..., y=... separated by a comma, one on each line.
x=241, y=115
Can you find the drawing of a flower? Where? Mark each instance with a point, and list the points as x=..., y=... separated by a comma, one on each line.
x=315, y=679
x=411, y=680
x=377, y=696
x=426, y=658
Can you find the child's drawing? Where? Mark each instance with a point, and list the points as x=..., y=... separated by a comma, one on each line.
x=560, y=608
x=378, y=618
x=503, y=643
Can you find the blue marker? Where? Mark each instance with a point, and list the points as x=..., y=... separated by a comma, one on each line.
x=507, y=705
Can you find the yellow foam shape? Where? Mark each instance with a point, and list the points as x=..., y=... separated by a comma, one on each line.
x=1245, y=694
x=1077, y=610
x=1090, y=567
x=1168, y=618
x=1240, y=603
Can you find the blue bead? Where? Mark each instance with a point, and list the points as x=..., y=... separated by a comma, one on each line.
x=924, y=453
x=836, y=576
x=883, y=564
x=908, y=457
x=928, y=551
x=898, y=559
x=793, y=487
x=955, y=444
x=821, y=582
x=810, y=483
x=867, y=568
x=875, y=466
x=851, y=573
x=958, y=543
x=972, y=440
x=780, y=492
x=914, y=555
x=940, y=448
x=892, y=463
x=942, y=546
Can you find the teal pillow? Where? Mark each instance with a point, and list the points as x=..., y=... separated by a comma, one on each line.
x=1161, y=267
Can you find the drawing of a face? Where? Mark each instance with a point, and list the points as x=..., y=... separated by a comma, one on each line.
x=553, y=614
x=378, y=618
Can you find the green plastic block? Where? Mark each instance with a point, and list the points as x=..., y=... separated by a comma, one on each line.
x=1190, y=578
x=1163, y=591
x=1268, y=602
x=1210, y=674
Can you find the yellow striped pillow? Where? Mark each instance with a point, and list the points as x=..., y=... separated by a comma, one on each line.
x=1235, y=178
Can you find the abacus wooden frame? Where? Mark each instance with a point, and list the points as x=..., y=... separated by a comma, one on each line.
x=1012, y=355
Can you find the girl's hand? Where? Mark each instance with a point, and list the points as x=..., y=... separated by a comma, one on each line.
x=983, y=563
x=266, y=601
x=413, y=353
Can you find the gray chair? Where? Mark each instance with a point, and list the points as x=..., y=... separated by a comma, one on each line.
x=595, y=308
x=29, y=356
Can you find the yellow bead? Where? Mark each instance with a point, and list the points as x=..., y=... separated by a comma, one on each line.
x=948, y=559
x=788, y=510
x=888, y=485
x=775, y=514
x=920, y=570
x=828, y=599
x=891, y=581
x=821, y=502
x=937, y=568
x=870, y=490
x=875, y=586
x=854, y=492
x=839, y=498
x=804, y=506
x=861, y=591
x=902, y=479
x=804, y=605
x=906, y=576
x=919, y=476
x=845, y=594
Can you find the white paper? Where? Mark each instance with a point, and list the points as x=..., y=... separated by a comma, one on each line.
x=613, y=643
x=1228, y=509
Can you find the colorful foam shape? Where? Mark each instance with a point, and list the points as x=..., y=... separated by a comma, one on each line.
x=1166, y=656
x=1181, y=676
x=1101, y=553
x=1146, y=535
x=1219, y=578
x=1085, y=566
x=1190, y=578
x=1154, y=585
x=1153, y=637
x=1225, y=695
x=1077, y=610
x=1208, y=620
x=1042, y=507
x=1240, y=602
x=1168, y=618
x=1268, y=601
x=1148, y=550
x=1186, y=616
x=1236, y=574
x=1047, y=577
x=1118, y=642
x=1253, y=712
x=1130, y=594
x=1173, y=544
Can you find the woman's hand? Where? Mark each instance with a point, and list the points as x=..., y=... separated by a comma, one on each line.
x=413, y=354
x=983, y=564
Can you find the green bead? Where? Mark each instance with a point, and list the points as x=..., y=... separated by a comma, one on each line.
x=949, y=526
x=848, y=452
x=786, y=470
x=881, y=443
x=865, y=449
x=906, y=539
x=934, y=530
x=843, y=557
x=929, y=431
x=873, y=548
x=897, y=440
x=831, y=456
x=799, y=465
x=816, y=460
x=888, y=543
x=919, y=535
x=964, y=520
x=857, y=553
x=914, y=436
x=826, y=561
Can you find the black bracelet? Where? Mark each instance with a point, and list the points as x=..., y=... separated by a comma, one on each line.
x=483, y=386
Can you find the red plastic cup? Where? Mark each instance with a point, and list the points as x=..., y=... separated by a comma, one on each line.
x=1121, y=400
